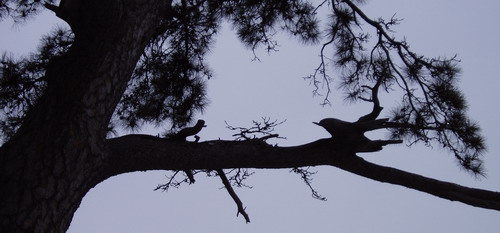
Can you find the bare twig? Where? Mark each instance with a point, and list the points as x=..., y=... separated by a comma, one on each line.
x=305, y=175
x=260, y=130
x=377, y=109
x=232, y=193
x=240, y=175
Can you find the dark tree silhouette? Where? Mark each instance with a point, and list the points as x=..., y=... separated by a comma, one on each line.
x=135, y=62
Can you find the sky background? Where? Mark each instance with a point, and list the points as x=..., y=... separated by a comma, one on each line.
x=243, y=91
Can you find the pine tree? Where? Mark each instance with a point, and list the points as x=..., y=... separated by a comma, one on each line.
x=130, y=63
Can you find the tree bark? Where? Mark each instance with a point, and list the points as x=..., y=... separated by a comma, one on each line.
x=55, y=157
x=143, y=152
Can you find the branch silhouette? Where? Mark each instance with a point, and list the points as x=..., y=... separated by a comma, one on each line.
x=143, y=152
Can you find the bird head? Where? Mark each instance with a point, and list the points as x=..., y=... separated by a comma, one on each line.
x=326, y=124
x=333, y=125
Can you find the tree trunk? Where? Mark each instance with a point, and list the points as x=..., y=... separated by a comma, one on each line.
x=56, y=156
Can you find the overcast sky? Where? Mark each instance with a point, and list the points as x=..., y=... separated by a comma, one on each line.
x=243, y=91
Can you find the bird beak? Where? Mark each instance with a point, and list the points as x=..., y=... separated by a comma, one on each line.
x=316, y=123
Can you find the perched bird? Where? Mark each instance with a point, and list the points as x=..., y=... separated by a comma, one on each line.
x=182, y=135
x=351, y=135
x=343, y=131
x=188, y=131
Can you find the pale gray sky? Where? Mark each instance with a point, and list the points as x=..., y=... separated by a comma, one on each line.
x=243, y=91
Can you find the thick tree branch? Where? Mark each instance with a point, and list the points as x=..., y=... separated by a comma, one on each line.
x=450, y=191
x=143, y=152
